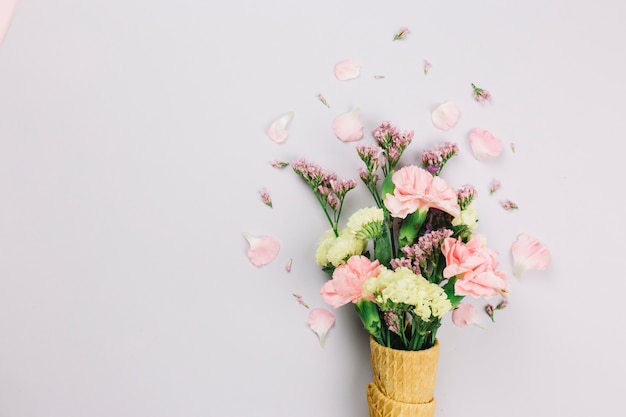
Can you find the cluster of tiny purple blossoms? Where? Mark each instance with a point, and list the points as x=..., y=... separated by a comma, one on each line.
x=417, y=255
x=480, y=94
x=392, y=142
x=330, y=191
x=435, y=159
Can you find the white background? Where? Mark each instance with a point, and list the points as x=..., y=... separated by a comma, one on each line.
x=133, y=149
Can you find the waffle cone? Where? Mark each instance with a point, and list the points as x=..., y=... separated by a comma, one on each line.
x=404, y=378
x=382, y=406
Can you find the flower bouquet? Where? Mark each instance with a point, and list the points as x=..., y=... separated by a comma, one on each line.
x=404, y=262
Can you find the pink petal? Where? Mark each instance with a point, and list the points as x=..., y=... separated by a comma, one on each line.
x=528, y=254
x=263, y=249
x=347, y=69
x=484, y=144
x=465, y=315
x=348, y=127
x=7, y=8
x=278, y=129
x=320, y=321
x=446, y=115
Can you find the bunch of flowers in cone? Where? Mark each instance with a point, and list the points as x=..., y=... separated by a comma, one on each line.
x=410, y=257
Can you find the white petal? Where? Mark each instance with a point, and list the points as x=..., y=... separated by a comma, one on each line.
x=347, y=69
x=446, y=115
x=348, y=127
x=278, y=129
x=320, y=321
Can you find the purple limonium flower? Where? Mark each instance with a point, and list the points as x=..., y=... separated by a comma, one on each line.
x=434, y=160
x=494, y=186
x=401, y=34
x=508, y=205
x=392, y=142
x=392, y=321
x=480, y=94
x=266, y=198
x=329, y=190
x=465, y=195
x=422, y=256
x=427, y=66
x=279, y=164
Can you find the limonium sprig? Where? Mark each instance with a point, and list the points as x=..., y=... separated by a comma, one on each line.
x=434, y=160
x=392, y=142
x=329, y=190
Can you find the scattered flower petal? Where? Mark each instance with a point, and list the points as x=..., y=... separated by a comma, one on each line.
x=484, y=144
x=465, y=315
x=446, y=115
x=300, y=300
x=278, y=129
x=494, y=186
x=379, y=77
x=427, y=66
x=263, y=249
x=480, y=94
x=401, y=34
x=321, y=98
x=279, y=164
x=7, y=9
x=508, y=205
x=347, y=69
x=320, y=321
x=288, y=266
x=348, y=127
x=513, y=147
x=266, y=198
x=528, y=253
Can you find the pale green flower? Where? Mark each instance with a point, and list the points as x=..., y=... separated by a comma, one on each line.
x=367, y=222
x=326, y=242
x=468, y=217
x=403, y=286
x=336, y=250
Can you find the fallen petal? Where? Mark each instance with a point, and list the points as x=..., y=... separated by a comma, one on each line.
x=528, y=253
x=263, y=249
x=484, y=144
x=446, y=115
x=288, y=266
x=347, y=69
x=7, y=8
x=465, y=315
x=348, y=127
x=320, y=321
x=278, y=129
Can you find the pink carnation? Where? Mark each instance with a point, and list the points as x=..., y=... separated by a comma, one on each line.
x=475, y=266
x=417, y=189
x=346, y=284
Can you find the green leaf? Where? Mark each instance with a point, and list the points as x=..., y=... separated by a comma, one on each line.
x=449, y=290
x=388, y=187
x=368, y=312
x=382, y=248
x=410, y=227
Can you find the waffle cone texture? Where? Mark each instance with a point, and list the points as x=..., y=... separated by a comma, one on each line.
x=404, y=381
